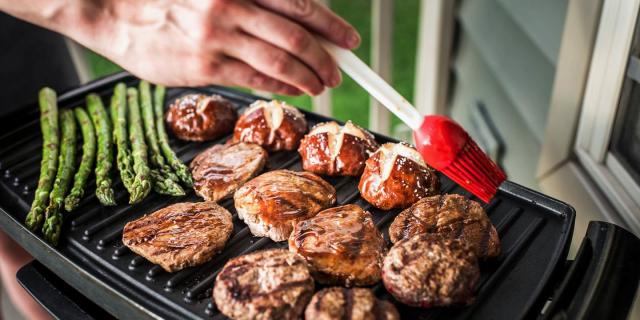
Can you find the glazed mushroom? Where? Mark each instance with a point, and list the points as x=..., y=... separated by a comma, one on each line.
x=199, y=117
x=395, y=176
x=336, y=150
x=273, y=125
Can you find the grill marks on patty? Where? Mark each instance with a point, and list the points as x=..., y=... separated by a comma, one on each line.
x=426, y=271
x=450, y=217
x=180, y=235
x=269, y=284
x=342, y=303
x=341, y=246
x=220, y=170
x=274, y=202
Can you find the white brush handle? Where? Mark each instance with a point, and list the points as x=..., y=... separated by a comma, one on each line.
x=374, y=84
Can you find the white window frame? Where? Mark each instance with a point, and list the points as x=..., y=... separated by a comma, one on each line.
x=600, y=104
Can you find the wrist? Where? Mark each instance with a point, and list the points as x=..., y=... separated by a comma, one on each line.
x=73, y=18
x=86, y=22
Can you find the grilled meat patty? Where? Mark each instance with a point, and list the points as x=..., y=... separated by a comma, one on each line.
x=450, y=216
x=269, y=284
x=341, y=245
x=427, y=271
x=199, y=117
x=272, y=203
x=395, y=176
x=274, y=125
x=180, y=235
x=355, y=304
x=220, y=170
x=336, y=150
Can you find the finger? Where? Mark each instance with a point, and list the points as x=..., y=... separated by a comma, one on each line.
x=296, y=40
x=274, y=62
x=238, y=73
x=317, y=18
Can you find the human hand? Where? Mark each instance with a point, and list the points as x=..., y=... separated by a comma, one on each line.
x=261, y=44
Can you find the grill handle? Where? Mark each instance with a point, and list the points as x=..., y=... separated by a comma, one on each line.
x=602, y=281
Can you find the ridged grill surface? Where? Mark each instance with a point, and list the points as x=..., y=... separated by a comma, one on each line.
x=534, y=230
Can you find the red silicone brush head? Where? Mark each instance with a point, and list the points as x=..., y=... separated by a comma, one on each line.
x=445, y=146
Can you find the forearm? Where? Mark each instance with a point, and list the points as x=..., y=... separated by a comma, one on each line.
x=63, y=16
x=78, y=19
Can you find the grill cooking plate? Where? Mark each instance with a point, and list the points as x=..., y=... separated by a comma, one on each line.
x=535, y=231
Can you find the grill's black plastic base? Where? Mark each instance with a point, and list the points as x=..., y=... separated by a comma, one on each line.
x=535, y=232
x=58, y=298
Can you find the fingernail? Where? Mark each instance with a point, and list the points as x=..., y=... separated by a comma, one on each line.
x=353, y=39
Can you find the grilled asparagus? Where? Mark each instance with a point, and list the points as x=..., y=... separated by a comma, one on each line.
x=104, y=162
x=49, y=164
x=66, y=168
x=165, y=181
x=142, y=181
x=86, y=163
x=180, y=168
x=164, y=185
x=124, y=159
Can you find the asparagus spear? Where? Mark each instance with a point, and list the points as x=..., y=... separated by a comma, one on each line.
x=104, y=191
x=163, y=173
x=66, y=167
x=123, y=157
x=48, y=165
x=142, y=181
x=86, y=163
x=180, y=168
x=113, y=111
x=164, y=185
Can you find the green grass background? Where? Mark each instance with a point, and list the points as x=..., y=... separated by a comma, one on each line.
x=350, y=102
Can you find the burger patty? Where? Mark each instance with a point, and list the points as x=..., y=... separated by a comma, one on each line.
x=427, y=271
x=220, y=170
x=272, y=203
x=450, y=216
x=269, y=284
x=180, y=235
x=355, y=304
x=341, y=245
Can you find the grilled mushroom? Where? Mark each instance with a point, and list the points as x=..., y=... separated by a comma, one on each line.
x=199, y=117
x=336, y=150
x=273, y=125
x=395, y=176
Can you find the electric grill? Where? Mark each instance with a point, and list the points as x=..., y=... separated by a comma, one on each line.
x=531, y=277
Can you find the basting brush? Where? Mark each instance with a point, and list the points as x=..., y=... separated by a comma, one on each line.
x=443, y=143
